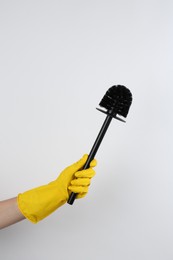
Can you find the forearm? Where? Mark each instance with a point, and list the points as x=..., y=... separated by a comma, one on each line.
x=9, y=213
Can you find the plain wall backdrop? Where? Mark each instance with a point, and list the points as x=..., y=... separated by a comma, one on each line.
x=57, y=60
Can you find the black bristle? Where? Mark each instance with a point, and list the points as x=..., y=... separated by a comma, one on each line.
x=117, y=100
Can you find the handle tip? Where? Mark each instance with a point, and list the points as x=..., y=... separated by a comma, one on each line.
x=72, y=198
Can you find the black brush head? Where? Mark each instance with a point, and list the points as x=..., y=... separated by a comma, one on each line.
x=117, y=100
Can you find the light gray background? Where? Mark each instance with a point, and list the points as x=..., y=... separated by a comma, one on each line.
x=57, y=60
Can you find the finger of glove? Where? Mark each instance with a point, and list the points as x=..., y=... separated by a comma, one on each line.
x=81, y=182
x=88, y=173
x=93, y=163
x=78, y=189
x=81, y=195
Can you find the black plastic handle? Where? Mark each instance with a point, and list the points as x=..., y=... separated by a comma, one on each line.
x=93, y=152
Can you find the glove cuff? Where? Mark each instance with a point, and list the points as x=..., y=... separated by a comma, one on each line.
x=38, y=203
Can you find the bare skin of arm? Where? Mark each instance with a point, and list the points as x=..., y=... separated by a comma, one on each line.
x=9, y=213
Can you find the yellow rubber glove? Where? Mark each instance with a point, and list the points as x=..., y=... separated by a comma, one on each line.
x=38, y=203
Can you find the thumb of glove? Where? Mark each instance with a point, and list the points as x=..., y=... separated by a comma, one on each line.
x=68, y=174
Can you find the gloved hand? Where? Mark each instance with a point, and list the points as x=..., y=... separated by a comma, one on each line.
x=38, y=203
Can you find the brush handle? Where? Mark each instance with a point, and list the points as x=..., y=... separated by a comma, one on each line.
x=93, y=151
